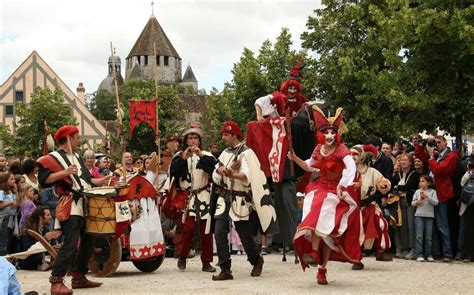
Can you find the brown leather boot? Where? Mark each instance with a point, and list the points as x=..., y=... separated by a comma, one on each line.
x=358, y=266
x=257, y=267
x=58, y=287
x=207, y=267
x=381, y=256
x=79, y=281
x=225, y=274
x=182, y=263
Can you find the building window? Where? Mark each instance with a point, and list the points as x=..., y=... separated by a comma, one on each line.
x=146, y=60
x=19, y=96
x=138, y=60
x=8, y=111
x=158, y=60
x=166, y=61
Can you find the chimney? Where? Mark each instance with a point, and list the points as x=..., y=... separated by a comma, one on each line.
x=80, y=93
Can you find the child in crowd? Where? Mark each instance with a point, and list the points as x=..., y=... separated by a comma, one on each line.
x=8, y=208
x=26, y=199
x=300, y=205
x=424, y=200
x=235, y=241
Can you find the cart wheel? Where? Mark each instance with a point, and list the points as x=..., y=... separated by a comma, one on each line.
x=149, y=265
x=105, y=258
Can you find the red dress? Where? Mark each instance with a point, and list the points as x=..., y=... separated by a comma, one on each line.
x=336, y=221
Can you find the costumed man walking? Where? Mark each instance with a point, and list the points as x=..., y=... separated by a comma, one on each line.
x=243, y=189
x=270, y=137
x=66, y=172
x=191, y=170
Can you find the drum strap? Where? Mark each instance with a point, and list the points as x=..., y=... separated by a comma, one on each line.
x=77, y=194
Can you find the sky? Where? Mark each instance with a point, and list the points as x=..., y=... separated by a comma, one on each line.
x=74, y=37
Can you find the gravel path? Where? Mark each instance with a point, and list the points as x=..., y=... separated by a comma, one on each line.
x=399, y=276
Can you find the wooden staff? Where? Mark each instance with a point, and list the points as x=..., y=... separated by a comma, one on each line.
x=290, y=140
x=157, y=140
x=119, y=115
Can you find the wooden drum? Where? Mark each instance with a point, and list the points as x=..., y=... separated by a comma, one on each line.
x=100, y=217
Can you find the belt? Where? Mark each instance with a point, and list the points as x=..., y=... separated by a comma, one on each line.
x=236, y=193
x=199, y=190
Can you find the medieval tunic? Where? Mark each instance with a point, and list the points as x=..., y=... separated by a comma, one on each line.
x=235, y=203
x=193, y=176
x=237, y=200
x=72, y=228
x=375, y=225
x=63, y=187
x=192, y=184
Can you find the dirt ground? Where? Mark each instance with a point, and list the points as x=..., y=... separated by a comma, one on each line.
x=399, y=276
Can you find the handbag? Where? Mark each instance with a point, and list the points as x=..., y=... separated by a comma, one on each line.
x=63, y=208
x=467, y=195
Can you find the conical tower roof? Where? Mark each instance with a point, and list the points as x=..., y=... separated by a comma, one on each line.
x=189, y=75
x=153, y=33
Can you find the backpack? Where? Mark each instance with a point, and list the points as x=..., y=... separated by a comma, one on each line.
x=467, y=195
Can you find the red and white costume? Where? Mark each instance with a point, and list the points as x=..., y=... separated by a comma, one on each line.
x=336, y=221
x=269, y=139
x=375, y=225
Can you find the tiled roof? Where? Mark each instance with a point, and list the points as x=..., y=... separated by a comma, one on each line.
x=153, y=33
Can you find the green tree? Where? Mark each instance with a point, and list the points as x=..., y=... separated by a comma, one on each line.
x=45, y=105
x=102, y=105
x=255, y=76
x=8, y=140
x=437, y=38
x=395, y=66
x=351, y=69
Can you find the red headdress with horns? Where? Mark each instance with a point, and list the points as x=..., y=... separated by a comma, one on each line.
x=322, y=122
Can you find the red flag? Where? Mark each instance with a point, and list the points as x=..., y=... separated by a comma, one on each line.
x=143, y=111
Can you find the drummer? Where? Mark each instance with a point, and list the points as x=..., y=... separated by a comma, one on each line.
x=67, y=173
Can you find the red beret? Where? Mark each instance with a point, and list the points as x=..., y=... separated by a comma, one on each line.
x=64, y=131
x=232, y=128
x=370, y=148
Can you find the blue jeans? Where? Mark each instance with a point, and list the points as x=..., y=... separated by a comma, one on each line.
x=441, y=233
x=424, y=233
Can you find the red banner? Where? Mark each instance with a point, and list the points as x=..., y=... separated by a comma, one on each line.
x=143, y=111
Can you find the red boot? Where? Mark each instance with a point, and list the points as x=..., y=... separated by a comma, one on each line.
x=58, y=287
x=79, y=281
x=321, y=277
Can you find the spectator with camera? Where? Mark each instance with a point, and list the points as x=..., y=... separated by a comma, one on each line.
x=442, y=163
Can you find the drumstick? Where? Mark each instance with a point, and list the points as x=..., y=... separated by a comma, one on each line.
x=70, y=150
x=110, y=179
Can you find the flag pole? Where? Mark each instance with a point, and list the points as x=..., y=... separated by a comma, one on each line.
x=157, y=97
x=119, y=113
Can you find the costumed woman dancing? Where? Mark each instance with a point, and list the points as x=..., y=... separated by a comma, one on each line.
x=370, y=185
x=331, y=229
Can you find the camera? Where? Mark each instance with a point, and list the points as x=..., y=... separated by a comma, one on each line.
x=428, y=142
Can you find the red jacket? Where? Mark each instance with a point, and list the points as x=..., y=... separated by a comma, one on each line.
x=443, y=171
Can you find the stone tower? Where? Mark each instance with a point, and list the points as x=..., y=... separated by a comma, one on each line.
x=108, y=83
x=189, y=80
x=141, y=61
